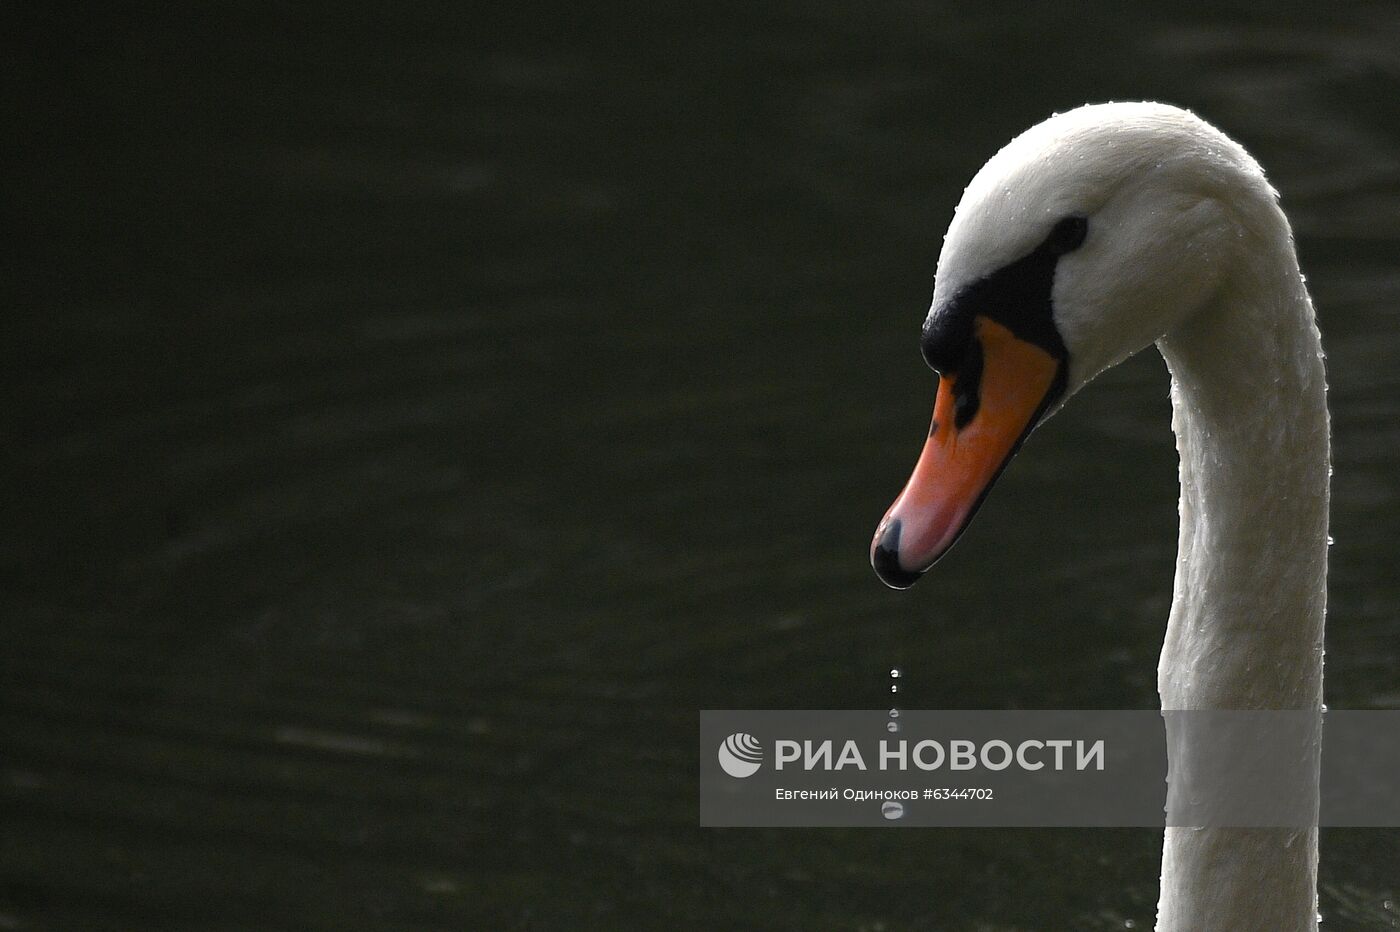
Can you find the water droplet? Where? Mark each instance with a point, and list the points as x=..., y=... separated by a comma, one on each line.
x=894, y=713
x=1128, y=923
x=895, y=673
x=1330, y=541
x=894, y=687
x=892, y=727
x=892, y=809
x=1387, y=904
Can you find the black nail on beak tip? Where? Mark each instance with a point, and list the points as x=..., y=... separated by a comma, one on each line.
x=884, y=557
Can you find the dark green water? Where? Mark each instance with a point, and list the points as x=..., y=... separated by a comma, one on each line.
x=417, y=416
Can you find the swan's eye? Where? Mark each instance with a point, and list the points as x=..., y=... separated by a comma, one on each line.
x=1067, y=235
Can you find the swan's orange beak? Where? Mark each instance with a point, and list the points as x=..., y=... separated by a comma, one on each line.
x=983, y=412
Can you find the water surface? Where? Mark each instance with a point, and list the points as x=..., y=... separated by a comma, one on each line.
x=418, y=415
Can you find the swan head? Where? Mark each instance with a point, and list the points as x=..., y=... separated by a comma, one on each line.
x=1087, y=238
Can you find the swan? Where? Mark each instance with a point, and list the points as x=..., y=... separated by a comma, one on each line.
x=1089, y=236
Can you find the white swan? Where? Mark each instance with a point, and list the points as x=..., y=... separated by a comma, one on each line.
x=1086, y=238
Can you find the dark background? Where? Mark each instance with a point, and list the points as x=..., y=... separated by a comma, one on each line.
x=416, y=414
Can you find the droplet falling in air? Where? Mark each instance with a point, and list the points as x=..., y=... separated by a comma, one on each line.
x=892, y=809
x=895, y=673
x=894, y=687
x=892, y=727
x=894, y=713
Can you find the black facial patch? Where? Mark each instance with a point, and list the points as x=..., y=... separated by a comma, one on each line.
x=1067, y=235
x=966, y=396
x=1019, y=297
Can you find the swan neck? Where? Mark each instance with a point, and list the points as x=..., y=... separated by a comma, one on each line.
x=1246, y=626
x=1250, y=416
